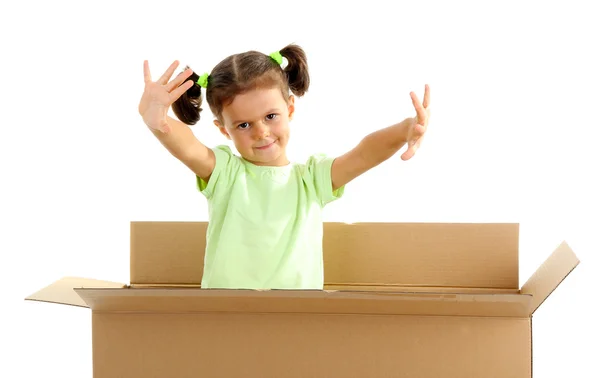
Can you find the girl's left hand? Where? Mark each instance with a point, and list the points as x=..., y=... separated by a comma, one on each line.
x=418, y=126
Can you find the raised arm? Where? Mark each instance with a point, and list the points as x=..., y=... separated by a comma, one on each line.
x=174, y=135
x=379, y=146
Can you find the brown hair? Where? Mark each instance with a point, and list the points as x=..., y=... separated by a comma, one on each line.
x=240, y=73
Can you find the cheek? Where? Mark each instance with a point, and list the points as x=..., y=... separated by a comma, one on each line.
x=241, y=139
x=281, y=129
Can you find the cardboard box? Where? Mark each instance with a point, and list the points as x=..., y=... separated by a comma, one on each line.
x=401, y=300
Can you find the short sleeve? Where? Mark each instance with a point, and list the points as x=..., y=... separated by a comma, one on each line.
x=221, y=177
x=318, y=173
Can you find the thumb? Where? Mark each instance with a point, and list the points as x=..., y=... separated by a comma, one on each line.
x=410, y=151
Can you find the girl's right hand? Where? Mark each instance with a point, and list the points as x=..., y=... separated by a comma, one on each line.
x=159, y=95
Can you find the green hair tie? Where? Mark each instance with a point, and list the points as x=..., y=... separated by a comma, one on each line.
x=203, y=80
x=276, y=56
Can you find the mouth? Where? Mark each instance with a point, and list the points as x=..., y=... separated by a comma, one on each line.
x=266, y=146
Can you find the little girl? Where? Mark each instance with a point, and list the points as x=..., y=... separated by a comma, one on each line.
x=265, y=227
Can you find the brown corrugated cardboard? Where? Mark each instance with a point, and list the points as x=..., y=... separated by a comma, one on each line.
x=308, y=345
x=62, y=291
x=465, y=317
x=548, y=276
x=191, y=300
x=469, y=255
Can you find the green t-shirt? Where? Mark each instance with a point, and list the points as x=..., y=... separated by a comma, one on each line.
x=265, y=229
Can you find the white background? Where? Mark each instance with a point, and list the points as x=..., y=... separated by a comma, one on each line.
x=513, y=137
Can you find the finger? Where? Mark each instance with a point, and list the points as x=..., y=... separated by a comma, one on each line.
x=168, y=73
x=409, y=153
x=421, y=114
x=419, y=131
x=181, y=90
x=411, y=150
x=426, y=100
x=179, y=79
x=147, y=77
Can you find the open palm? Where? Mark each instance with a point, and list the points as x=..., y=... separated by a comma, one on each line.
x=417, y=129
x=159, y=95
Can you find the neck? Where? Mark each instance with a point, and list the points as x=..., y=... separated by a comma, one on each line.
x=281, y=161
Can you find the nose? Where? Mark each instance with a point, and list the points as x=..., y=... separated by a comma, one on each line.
x=261, y=131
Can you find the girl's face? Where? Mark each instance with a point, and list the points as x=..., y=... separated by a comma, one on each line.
x=258, y=124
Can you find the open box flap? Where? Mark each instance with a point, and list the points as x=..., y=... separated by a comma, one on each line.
x=62, y=292
x=549, y=275
x=463, y=255
x=193, y=300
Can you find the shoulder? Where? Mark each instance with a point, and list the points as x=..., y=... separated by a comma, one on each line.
x=227, y=166
x=224, y=151
x=315, y=163
x=225, y=158
x=316, y=173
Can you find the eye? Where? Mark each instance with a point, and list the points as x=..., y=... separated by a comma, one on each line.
x=271, y=116
x=243, y=126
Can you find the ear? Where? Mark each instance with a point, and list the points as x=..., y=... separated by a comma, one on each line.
x=291, y=107
x=222, y=129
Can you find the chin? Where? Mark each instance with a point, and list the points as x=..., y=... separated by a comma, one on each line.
x=266, y=158
x=271, y=156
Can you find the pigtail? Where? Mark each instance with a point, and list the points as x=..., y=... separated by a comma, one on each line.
x=187, y=107
x=296, y=69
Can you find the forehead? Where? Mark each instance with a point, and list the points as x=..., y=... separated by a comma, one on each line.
x=253, y=105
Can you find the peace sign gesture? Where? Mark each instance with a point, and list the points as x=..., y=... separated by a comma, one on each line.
x=159, y=95
x=418, y=126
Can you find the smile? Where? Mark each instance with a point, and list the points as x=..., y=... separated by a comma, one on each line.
x=265, y=147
